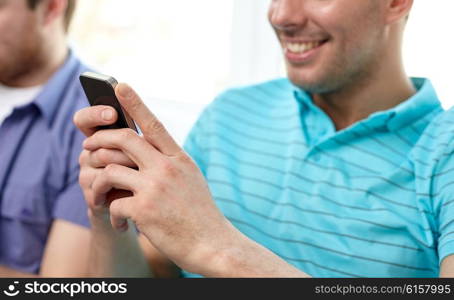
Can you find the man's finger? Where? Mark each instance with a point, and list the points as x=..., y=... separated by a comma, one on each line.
x=90, y=118
x=136, y=148
x=152, y=129
x=114, y=177
x=120, y=211
x=104, y=157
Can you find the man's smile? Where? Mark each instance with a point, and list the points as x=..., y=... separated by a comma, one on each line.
x=300, y=51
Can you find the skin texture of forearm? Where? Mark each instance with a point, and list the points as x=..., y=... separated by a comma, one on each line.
x=249, y=259
x=447, y=267
x=115, y=254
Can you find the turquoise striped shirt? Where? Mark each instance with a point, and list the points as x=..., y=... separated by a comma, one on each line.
x=372, y=200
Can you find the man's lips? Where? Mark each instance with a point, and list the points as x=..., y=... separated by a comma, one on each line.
x=301, y=51
x=301, y=47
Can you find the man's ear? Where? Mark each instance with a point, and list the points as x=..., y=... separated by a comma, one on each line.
x=53, y=10
x=397, y=10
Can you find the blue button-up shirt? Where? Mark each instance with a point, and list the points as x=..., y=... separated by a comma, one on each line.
x=39, y=149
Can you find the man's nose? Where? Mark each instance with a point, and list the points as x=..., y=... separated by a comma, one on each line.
x=288, y=14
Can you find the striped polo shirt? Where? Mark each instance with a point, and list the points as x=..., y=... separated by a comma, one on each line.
x=372, y=200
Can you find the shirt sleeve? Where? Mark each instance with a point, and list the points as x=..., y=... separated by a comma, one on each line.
x=70, y=204
x=443, y=196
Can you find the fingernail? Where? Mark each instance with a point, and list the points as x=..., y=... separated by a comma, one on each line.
x=107, y=114
x=125, y=91
x=86, y=144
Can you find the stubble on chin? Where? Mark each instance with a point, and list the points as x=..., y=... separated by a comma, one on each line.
x=20, y=63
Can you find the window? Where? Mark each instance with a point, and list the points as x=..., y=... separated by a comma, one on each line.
x=175, y=53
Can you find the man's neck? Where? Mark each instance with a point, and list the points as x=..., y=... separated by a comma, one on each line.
x=366, y=96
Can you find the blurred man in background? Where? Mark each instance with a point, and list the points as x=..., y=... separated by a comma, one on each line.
x=43, y=222
x=342, y=170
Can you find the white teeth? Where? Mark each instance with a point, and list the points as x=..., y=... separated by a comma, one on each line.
x=302, y=47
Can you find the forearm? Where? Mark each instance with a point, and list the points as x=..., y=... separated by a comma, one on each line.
x=242, y=257
x=6, y=272
x=115, y=254
x=447, y=267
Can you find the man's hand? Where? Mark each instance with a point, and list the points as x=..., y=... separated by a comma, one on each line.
x=170, y=202
x=159, y=187
x=112, y=254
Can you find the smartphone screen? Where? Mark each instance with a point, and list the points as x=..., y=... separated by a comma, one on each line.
x=100, y=90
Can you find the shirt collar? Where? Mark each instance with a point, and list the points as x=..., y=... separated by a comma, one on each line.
x=420, y=104
x=302, y=96
x=53, y=92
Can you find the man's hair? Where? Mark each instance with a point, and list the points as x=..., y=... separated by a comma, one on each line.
x=68, y=14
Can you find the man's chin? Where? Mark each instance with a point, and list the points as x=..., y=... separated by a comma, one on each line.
x=309, y=86
x=6, y=80
x=3, y=80
x=11, y=76
x=313, y=84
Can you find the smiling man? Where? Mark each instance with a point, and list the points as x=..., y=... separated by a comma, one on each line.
x=340, y=170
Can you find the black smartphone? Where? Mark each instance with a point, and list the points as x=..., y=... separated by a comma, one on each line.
x=100, y=90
